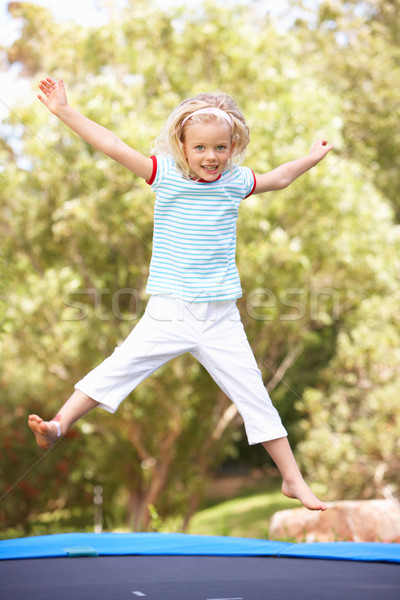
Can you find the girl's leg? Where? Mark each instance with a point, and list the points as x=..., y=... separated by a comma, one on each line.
x=293, y=484
x=47, y=432
x=226, y=354
x=161, y=335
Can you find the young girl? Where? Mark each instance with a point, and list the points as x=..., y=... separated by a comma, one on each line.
x=193, y=280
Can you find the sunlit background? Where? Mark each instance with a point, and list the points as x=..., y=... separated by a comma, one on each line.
x=319, y=261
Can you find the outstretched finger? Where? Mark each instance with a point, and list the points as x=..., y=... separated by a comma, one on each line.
x=45, y=91
x=47, y=86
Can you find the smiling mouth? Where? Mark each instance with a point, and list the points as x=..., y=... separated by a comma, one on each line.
x=210, y=167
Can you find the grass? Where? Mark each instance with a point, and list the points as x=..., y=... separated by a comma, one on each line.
x=246, y=515
x=234, y=506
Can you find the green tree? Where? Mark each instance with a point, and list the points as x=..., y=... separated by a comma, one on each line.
x=355, y=49
x=354, y=407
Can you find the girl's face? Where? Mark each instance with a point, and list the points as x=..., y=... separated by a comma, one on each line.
x=208, y=148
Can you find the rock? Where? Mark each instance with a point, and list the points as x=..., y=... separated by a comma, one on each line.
x=349, y=520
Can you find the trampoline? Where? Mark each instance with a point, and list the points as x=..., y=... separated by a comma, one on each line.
x=157, y=566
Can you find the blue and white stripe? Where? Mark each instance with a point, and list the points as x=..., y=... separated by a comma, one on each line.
x=194, y=241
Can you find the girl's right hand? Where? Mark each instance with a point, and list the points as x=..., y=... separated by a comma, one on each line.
x=55, y=97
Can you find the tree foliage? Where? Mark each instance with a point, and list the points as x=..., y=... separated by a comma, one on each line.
x=353, y=47
x=318, y=262
x=359, y=42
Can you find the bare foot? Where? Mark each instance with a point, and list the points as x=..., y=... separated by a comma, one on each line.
x=299, y=490
x=44, y=431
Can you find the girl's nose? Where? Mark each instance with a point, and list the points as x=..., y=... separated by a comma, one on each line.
x=210, y=154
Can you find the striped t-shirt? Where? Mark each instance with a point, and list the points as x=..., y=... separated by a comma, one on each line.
x=194, y=240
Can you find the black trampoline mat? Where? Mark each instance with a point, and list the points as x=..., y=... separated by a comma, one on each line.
x=197, y=578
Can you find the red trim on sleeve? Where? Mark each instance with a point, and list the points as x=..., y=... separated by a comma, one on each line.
x=254, y=186
x=154, y=173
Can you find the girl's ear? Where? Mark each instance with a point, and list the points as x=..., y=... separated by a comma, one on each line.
x=233, y=144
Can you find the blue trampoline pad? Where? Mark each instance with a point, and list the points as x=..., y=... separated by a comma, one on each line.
x=185, y=567
x=360, y=551
x=154, y=544
x=179, y=544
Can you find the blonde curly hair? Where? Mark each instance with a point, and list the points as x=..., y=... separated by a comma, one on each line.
x=171, y=140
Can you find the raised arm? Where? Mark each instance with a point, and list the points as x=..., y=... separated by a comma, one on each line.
x=282, y=176
x=55, y=98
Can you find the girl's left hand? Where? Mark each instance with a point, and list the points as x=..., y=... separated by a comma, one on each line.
x=55, y=97
x=320, y=149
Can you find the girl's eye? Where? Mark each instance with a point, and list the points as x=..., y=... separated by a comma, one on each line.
x=199, y=148
x=220, y=148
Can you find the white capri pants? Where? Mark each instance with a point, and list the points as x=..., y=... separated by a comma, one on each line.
x=213, y=333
